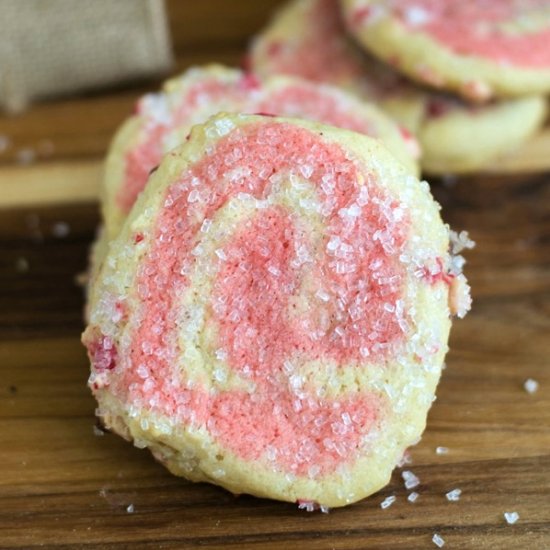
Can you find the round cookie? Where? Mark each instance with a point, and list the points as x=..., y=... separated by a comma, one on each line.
x=455, y=137
x=274, y=314
x=163, y=121
x=459, y=139
x=477, y=48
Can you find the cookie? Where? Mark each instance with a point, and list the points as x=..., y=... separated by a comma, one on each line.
x=479, y=49
x=163, y=121
x=455, y=137
x=274, y=315
x=463, y=139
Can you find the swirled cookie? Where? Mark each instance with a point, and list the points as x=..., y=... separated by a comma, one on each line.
x=476, y=48
x=308, y=38
x=163, y=121
x=274, y=314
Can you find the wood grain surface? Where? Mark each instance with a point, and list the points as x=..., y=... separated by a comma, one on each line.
x=64, y=486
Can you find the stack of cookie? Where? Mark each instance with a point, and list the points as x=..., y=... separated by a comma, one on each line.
x=271, y=296
x=467, y=78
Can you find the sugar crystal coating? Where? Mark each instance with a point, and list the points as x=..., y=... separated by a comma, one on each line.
x=308, y=32
x=513, y=32
x=260, y=306
x=166, y=117
x=258, y=273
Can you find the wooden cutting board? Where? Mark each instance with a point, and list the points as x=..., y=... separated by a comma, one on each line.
x=63, y=485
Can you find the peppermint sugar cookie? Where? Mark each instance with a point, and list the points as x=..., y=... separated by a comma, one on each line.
x=476, y=48
x=163, y=121
x=274, y=314
x=308, y=38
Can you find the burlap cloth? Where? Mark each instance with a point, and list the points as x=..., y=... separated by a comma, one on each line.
x=54, y=47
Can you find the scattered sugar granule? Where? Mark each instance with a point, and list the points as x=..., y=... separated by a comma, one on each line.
x=25, y=156
x=60, y=230
x=460, y=241
x=21, y=265
x=530, y=385
x=325, y=509
x=511, y=517
x=387, y=502
x=307, y=505
x=454, y=495
x=438, y=540
x=441, y=450
x=405, y=459
x=411, y=481
x=98, y=431
x=413, y=496
x=130, y=508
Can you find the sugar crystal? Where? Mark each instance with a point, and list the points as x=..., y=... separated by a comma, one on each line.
x=307, y=505
x=98, y=432
x=454, y=495
x=411, y=481
x=61, y=230
x=511, y=517
x=416, y=16
x=387, y=502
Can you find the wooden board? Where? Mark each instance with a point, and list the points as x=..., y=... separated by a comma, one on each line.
x=62, y=486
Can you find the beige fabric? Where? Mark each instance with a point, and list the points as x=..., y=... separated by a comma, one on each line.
x=53, y=47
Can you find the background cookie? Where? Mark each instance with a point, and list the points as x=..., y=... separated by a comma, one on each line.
x=163, y=121
x=477, y=48
x=305, y=33
x=275, y=320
